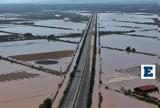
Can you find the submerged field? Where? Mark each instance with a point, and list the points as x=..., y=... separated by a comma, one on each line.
x=22, y=86
x=112, y=57
x=25, y=86
x=28, y=91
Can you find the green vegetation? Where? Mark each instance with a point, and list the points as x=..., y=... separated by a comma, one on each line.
x=143, y=36
x=52, y=37
x=29, y=17
x=46, y=104
x=7, y=38
x=100, y=100
x=56, y=38
x=74, y=17
x=133, y=50
x=115, y=32
x=128, y=49
x=30, y=36
x=72, y=35
x=142, y=96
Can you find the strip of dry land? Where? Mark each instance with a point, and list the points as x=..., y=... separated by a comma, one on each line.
x=45, y=55
x=16, y=76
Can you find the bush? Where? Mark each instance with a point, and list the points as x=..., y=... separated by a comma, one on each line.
x=51, y=37
x=46, y=104
x=28, y=34
x=133, y=50
x=128, y=49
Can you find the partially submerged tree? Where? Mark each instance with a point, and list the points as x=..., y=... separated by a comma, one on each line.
x=133, y=50
x=47, y=103
x=128, y=49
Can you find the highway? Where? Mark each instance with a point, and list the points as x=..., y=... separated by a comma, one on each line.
x=77, y=94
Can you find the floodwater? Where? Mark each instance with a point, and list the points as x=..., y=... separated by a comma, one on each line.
x=84, y=13
x=153, y=33
x=30, y=93
x=110, y=60
x=39, y=46
x=27, y=92
x=111, y=20
x=2, y=34
x=117, y=60
x=33, y=46
x=122, y=41
x=61, y=66
x=62, y=23
x=72, y=39
x=113, y=99
x=123, y=101
x=22, y=29
x=37, y=30
x=9, y=25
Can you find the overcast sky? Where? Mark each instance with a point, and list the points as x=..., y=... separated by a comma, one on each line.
x=76, y=1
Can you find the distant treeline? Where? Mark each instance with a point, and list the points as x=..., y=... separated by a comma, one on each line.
x=21, y=8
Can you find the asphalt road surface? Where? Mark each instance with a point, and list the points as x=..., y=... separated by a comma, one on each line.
x=77, y=95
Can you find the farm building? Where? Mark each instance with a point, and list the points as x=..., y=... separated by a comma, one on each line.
x=146, y=89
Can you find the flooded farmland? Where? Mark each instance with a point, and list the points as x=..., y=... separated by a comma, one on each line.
x=41, y=54
x=27, y=92
x=29, y=85
x=2, y=34
x=111, y=58
x=37, y=30
x=77, y=27
x=33, y=46
x=39, y=46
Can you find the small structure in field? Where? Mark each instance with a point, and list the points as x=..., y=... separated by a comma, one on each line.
x=146, y=89
x=57, y=15
x=66, y=19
